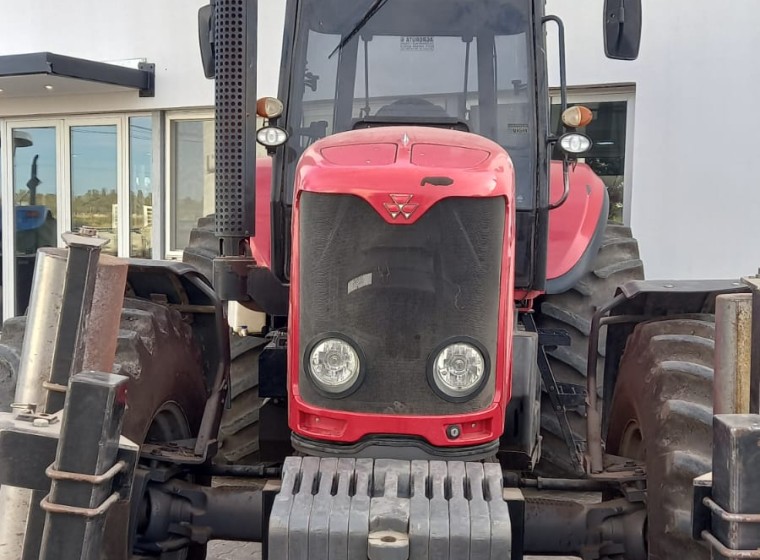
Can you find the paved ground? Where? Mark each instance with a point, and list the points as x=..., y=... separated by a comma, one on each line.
x=222, y=550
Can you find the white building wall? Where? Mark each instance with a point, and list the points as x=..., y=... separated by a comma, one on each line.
x=695, y=197
x=164, y=32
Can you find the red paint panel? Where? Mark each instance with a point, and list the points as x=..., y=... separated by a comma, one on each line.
x=572, y=225
x=447, y=157
x=383, y=184
x=397, y=194
x=261, y=247
x=360, y=154
x=337, y=426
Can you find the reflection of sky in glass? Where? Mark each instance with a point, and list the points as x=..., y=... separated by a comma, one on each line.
x=43, y=144
x=140, y=154
x=94, y=177
x=93, y=158
x=140, y=175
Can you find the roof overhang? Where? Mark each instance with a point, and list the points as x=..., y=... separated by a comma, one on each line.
x=42, y=74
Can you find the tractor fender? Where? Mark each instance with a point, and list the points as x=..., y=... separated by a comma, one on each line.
x=576, y=228
x=261, y=248
x=647, y=300
x=180, y=286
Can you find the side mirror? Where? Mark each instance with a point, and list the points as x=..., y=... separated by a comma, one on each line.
x=622, y=29
x=206, y=38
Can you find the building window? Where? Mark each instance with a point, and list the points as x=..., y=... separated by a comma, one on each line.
x=140, y=186
x=35, y=176
x=71, y=171
x=191, y=185
x=191, y=175
x=94, y=180
x=611, y=132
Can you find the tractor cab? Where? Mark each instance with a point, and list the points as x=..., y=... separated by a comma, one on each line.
x=466, y=67
x=454, y=64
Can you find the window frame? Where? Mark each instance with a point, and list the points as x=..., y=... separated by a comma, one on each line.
x=62, y=125
x=8, y=210
x=168, y=213
x=122, y=181
x=605, y=93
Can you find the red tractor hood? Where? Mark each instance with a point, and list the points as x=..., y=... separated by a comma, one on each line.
x=403, y=171
x=574, y=225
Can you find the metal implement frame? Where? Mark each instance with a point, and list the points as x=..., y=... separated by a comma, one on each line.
x=553, y=389
x=727, y=501
x=68, y=353
x=80, y=465
x=86, y=462
x=726, y=506
x=634, y=303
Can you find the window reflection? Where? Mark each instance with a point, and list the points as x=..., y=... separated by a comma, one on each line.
x=192, y=177
x=140, y=186
x=35, y=179
x=94, y=180
x=607, y=155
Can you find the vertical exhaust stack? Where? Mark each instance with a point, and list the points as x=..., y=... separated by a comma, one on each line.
x=235, y=24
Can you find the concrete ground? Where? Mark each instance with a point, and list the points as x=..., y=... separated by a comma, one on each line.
x=224, y=550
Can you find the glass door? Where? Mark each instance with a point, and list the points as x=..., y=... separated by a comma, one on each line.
x=32, y=182
x=95, y=178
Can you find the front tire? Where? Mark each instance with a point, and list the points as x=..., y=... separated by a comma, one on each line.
x=239, y=429
x=616, y=263
x=662, y=414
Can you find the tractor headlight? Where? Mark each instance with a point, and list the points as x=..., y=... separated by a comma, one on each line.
x=575, y=143
x=459, y=369
x=271, y=136
x=334, y=365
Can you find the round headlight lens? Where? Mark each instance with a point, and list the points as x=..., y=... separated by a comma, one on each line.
x=334, y=365
x=458, y=369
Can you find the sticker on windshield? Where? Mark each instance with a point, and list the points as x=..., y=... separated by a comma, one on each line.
x=419, y=43
x=360, y=282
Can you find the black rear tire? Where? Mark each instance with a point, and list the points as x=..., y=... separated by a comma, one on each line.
x=239, y=430
x=617, y=263
x=166, y=395
x=662, y=414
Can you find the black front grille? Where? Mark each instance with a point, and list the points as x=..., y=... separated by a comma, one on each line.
x=399, y=291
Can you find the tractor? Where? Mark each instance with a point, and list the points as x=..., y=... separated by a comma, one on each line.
x=440, y=347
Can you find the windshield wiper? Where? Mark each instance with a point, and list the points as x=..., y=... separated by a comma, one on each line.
x=373, y=9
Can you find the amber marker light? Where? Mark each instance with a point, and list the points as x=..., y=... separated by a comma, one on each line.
x=269, y=107
x=577, y=117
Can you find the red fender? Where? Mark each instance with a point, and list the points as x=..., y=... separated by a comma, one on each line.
x=576, y=227
x=261, y=247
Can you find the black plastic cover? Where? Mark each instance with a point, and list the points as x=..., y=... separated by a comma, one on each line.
x=398, y=292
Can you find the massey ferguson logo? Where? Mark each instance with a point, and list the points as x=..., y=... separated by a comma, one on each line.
x=401, y=204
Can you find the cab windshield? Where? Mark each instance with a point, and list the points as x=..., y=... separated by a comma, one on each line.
x=454, y=63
